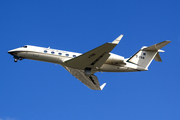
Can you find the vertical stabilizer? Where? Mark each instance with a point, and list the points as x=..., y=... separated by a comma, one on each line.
x=145, y=55
x=142, y=58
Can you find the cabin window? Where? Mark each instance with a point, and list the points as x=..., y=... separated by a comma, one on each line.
x=67, y=55
x=60, y=53
x=52, y=52
x=45, y=51
x=74, y=55
x=24, y=46
x=144, y=53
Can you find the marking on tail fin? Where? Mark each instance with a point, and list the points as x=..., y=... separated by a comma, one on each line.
x=129, y=60
x=142, y=58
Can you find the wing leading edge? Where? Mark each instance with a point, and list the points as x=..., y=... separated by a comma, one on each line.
x=94, y=58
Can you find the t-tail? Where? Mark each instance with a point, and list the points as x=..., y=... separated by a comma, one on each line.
x=145, y=55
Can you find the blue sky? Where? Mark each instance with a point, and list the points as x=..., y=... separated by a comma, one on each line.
x=33, y=90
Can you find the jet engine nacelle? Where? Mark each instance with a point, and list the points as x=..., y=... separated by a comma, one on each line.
x=115, y=59
x=87, y=71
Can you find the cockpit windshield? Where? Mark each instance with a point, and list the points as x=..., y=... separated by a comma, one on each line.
x=24, y=46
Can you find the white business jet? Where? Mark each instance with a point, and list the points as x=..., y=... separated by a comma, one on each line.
x=83, y=66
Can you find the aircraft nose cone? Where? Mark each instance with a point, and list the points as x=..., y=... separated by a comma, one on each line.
x=11, y=52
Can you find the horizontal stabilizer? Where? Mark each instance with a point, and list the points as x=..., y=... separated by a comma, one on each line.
x=158, y=58
x=157, y=46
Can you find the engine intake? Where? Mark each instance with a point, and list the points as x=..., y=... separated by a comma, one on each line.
x=87, y=71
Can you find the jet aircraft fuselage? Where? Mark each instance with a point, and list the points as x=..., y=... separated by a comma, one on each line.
x=83, y=66
x=114, y=63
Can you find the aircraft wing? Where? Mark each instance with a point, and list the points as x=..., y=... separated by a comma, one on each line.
x=90, y=81
x=94, y=58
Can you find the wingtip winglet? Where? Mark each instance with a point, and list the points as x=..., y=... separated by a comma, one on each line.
x=102, y=86
x=117, y=40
